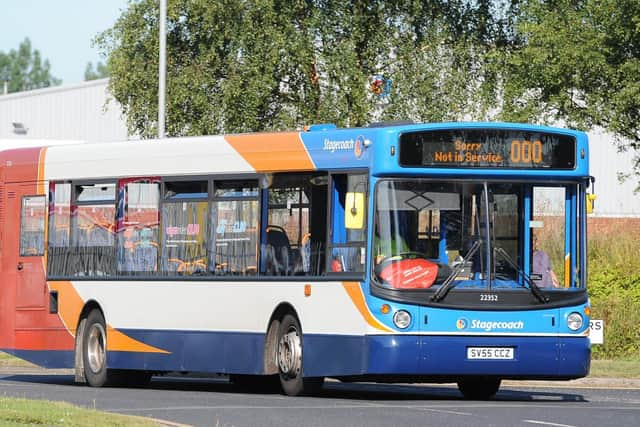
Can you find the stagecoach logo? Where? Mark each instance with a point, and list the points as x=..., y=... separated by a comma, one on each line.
x=356, y=145
x=488, y=325
x=462, y=323
x=358, y=149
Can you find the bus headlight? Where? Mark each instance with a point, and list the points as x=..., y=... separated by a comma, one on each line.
x=402, y=319
x=574, y=321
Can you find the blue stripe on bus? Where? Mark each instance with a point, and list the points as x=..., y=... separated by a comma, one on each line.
x=336, y=355
x=443, y=355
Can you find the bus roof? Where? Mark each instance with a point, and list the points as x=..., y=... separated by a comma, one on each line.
x=322, y=147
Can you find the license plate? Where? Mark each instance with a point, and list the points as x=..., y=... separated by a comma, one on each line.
x=490, y=353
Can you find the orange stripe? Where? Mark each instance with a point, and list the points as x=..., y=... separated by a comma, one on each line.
x=270, y=152
x=41, y=187
x=42, y=190
x=70, y=306
x=357, y=297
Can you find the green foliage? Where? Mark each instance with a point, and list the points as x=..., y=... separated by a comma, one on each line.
x=24, y=69
x=614, y=288
x=579, y=62
x=100, y=72
x=236, y=66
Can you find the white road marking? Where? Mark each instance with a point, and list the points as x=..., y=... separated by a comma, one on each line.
x=547, y=423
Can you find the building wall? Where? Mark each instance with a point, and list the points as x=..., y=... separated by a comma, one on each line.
x=77, y=112
x=615, y=198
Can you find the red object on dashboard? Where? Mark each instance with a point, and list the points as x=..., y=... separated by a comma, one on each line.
x=416, y=273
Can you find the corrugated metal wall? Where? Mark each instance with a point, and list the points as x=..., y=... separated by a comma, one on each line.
x=614, y=198
x=86, y=112
x=76, y=112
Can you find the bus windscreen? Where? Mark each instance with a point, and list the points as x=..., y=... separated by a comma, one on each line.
x=479, y=148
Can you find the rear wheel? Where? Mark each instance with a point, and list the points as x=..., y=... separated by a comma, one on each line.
x=289, y=360
x=94, y=350
x=481, y=388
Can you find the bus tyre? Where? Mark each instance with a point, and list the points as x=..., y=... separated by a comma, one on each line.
x=94, y=350
x=289, y=360
x=482, y=388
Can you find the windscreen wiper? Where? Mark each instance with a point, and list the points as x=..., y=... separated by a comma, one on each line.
x=535, y=290
x=449, y=283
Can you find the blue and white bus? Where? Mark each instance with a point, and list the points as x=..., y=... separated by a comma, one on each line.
x=448, y=252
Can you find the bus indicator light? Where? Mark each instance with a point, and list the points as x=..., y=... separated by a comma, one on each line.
x=307, y=290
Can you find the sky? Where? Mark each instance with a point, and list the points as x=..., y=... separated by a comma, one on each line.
x=62, y=30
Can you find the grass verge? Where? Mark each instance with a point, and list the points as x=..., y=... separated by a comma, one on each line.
x=21, y=412
x=615, y=369
x=9, y=360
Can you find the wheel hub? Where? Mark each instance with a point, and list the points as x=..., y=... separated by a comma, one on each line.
x=96, y=348
x=290, y=353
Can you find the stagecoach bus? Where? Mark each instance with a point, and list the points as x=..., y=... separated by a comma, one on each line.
x=448, y=252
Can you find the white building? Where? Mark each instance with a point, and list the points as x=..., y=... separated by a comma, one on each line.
x=84, y=112
x=87, y=112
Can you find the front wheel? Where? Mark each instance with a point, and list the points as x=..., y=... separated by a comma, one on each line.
x=482, y=388
x=289, y=360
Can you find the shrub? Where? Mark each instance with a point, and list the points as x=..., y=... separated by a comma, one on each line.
x=614, y=289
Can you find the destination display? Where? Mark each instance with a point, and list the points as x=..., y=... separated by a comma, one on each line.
x=481, y=148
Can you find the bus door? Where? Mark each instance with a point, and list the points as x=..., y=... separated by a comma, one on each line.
x=24, y=249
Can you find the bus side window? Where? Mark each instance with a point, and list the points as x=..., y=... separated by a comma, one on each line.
x=32, y=226
x=234, y=222
x=294, y=225
x=347, y=248
x=59, y=228
x=138, y=219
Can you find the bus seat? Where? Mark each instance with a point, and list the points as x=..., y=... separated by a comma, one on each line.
x=277, y=251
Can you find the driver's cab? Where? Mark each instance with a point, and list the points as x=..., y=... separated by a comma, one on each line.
x=471, y=234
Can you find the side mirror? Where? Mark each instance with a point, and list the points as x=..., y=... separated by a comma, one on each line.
x=591, y=198
x=354, y=215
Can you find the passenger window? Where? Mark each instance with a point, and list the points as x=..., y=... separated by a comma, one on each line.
x=235, y=221
x=59, y=228
x=94, y=215
x=138, y=221
x=93, y=230
x=185, y=221
x=32, y=226
x=294, y=237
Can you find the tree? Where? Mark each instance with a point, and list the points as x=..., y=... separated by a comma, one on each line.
x=24, y=69
x=237, y=66
x=580, y=63
x=100, y=71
